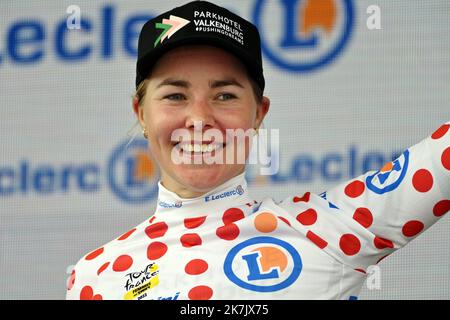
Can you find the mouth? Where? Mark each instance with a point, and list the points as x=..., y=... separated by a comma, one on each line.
x=194, y=148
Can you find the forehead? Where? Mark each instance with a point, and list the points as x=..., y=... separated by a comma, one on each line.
x=198, y=57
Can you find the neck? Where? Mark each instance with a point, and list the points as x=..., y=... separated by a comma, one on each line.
x=187, y=192
x=182, y=191
x=232, y=193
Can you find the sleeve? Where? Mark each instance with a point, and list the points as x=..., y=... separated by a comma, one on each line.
x=72, y=292
x=401, y=200
x=81, y=282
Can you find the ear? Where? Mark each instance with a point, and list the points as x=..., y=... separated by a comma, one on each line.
x=138, y=111
x=261, y=111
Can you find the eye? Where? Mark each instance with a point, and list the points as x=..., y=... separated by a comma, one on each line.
x=175, y=97
x=225, y=96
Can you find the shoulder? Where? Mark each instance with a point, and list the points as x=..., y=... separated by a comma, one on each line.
x=86, y=271
x=295, y=201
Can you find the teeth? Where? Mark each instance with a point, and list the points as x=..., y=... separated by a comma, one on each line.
x=186, y=147
x=199, y=147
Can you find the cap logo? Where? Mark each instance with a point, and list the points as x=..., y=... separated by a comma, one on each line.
x=170, y=27
x=206, y=21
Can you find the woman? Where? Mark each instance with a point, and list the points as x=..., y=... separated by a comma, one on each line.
x=199, y=81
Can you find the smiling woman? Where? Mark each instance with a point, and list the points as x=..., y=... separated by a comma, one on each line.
x=200, y=84
x=196, y=89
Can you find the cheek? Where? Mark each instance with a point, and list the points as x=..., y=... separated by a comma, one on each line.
x=157, y=124
x=160, y=127
x=239, y=120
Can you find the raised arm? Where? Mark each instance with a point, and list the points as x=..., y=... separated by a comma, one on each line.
x=402, y=199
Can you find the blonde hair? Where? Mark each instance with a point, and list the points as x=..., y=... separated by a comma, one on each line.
x=140, y=91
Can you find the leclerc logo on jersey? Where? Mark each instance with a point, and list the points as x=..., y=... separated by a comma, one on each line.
x=169, y=27
x=390, y=176
x=132, y=175
x=263, y=264
x=303, y=35
x=238, y=190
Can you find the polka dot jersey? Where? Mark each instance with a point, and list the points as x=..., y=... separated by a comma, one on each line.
x=224, y=245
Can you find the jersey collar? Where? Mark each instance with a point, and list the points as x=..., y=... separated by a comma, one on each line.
x=232, y=193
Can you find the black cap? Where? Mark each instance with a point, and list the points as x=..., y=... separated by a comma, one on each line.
x=200, y=22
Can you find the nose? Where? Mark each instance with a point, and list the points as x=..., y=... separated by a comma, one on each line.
x=200, y=111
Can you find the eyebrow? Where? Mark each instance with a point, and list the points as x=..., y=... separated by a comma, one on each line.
x=174, y=82
x=212, y=84
x=224, y=83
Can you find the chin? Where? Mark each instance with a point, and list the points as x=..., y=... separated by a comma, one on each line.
x=203, y=179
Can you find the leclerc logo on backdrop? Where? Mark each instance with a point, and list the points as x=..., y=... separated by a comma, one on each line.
x=297, y=35
x=303, y=35
x=29, y=40
x=132, y=175
x=129, y=172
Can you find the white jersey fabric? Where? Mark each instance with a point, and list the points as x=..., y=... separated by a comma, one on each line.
x=224, y=245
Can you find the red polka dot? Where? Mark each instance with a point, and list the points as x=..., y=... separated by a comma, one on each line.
x=361, y=270
x=363, y=216
x=445, y=158
x=412, y=228
x=304, y=198
x=86, y=293
x=192, y=223
x=284, y=220
x=156, y=250
x=127, y=234
x=152, y=219
x=102, y=268
x=307, y=217
x=441, y=208
x=422, y=180
x=228, y=232
x=439, y=133
x=122, y=263
x=318, y=241
x=381, y=243
x=156, y=230
x=200, y=293
x=349, y=244
x=97, y=297
x=355, y=189
x=231, y=215
x=190, y=240
x=71, y=280
x=196, y=266
x=94, y=254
